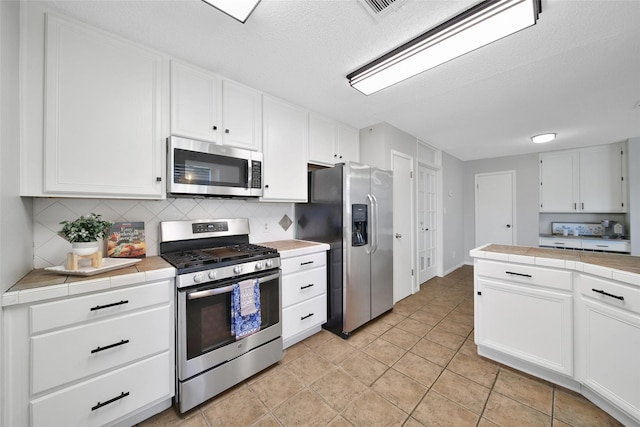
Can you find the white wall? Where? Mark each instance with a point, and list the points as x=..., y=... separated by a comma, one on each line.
x=16, y=250
x=634, y=194
x=453, y=202
x=527, y=177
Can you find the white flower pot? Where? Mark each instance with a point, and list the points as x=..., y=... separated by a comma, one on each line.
x=85, y=248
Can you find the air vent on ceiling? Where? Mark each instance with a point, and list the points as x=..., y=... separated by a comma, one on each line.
x=379, y=8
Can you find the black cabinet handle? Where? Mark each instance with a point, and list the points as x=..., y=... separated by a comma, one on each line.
x=518, y=274
x=100, y=307
x=307, y=316
x=97, y=349
x=100, y=405
x=226, y=131
x=158, y=179
x=600, y=291
x=215, y=127
x=306, y=286
x=306, y=263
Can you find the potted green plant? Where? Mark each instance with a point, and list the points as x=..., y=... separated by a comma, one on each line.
x=84, y=233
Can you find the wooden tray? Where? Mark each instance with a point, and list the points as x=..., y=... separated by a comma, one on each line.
x=108, y=264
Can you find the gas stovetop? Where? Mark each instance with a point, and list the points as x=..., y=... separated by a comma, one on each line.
x=200, y=259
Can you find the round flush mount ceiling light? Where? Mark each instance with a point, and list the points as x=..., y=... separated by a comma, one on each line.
x=545, y=137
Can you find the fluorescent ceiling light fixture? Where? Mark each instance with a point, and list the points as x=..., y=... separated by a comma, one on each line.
x=484, y=23
x=237, y=9
x=542, y=138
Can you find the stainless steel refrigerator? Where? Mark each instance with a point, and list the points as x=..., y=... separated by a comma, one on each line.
x=351, y=208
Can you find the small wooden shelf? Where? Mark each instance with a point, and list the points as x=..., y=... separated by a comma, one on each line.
x=72, y=260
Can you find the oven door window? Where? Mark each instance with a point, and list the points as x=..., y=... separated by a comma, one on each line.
x=208, y=314
x=191, y=167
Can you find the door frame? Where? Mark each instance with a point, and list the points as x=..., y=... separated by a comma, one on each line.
x=513, y=203
x=412, y=212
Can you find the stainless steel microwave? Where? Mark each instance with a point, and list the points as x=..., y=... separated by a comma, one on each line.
x=199, y=168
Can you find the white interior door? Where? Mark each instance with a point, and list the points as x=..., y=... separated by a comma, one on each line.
x=402, y=225
x=427, y=223
x=495, y=208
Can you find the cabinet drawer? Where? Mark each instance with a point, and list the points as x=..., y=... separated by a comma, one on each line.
x=305, y=315
x=97, y=306
x=300, y=286
x=145, y=382
x=610, y=292
x=605, y=245
x=538, y=276
x=304, y=262
x=71, y=354
x=558, y=242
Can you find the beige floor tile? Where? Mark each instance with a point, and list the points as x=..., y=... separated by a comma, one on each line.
x=338, y=388
x=171, y=418
x=418, y=368
x=446, y=339
x=427, y=317
x=435, y=410
x=415, y=327
x=454, y=327
x=361, y=338
x=293, y=352
x=242, y=408
x=334, y=350
x=318, y=339
x=266, y=421
x=433, y=351
x=469, y=347
x=576, y=410
x=275, y=388
x=376, y=327
x=369, y=409
x=407, y=306
x=364, y=368
x=412, y=422
x=403, y=339
x=462, y=390
x=400, y=390
x=339, y=422
x=305, y=408
x=309, y=367
x=507, y=412
x=457, y=315
x=525, y=390
x=475, y=368
x=392, y=318
x=384, y=351
x=486, y=423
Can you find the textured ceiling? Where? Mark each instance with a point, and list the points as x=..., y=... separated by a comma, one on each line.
x=576, y=72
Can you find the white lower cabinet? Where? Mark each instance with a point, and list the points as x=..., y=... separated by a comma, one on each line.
x=304, y=295
x=91, y=360
x=526, y=322
x=609, y=341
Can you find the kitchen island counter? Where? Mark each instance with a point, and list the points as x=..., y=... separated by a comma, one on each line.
x=41, y=284
x=625, y=268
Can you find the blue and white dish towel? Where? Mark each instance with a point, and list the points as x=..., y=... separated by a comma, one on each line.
x=245, y=309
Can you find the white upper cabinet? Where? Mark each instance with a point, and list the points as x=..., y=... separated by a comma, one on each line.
x=587, y=180
x=285, y=133
x=102, y=122
x=331, y=142
x=208, y=108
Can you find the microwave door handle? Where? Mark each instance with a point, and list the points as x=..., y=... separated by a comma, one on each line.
x=209, y=292
x=249, y=174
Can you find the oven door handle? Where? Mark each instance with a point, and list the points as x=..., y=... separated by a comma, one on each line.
x=225, y=289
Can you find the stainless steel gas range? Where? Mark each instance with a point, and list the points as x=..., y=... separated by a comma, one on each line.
x=228, y=305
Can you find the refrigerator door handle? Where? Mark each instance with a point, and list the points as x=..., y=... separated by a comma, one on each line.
x=374, y=222
x=371, y=243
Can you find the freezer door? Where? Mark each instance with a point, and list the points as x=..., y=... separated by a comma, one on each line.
x=357, y=272
x=382, y=253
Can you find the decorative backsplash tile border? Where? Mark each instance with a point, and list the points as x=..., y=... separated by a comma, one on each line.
x=50, y=249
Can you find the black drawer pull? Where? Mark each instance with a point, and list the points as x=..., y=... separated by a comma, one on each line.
x=307, y=316
x=518, y=274
x=602, y=246
x=600, y=291
x=100, y=307
x=100, y=405
x=306, y=263
x=306, y=286
x=97, y=349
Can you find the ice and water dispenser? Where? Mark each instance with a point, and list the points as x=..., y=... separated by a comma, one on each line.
x=359, y=225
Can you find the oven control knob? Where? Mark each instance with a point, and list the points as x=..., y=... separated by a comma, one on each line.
x=212, y=275
x=237, y=269
x=259, y=265
x=197, y=277
x=269, y=263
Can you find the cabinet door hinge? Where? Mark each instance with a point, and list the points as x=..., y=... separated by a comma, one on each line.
x=412, y=271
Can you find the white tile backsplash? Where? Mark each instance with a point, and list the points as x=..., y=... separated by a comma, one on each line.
x=51, y=250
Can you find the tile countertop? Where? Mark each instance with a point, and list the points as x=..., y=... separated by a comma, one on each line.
x=41, y=284
x=291, y=248
x=625, y=268
x=585, y=237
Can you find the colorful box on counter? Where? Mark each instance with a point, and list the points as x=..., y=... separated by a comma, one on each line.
x=126, y=240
